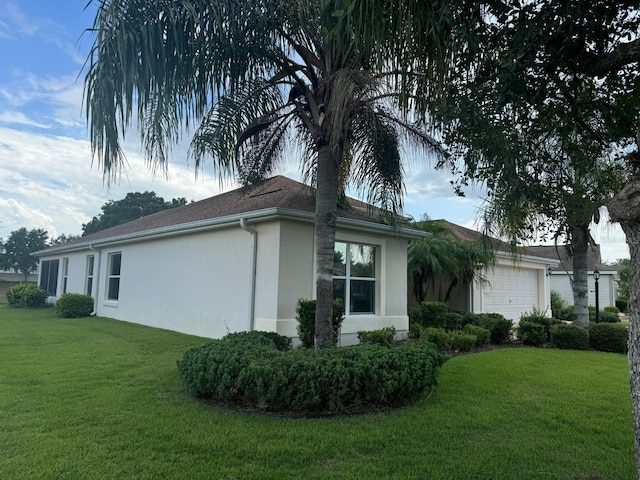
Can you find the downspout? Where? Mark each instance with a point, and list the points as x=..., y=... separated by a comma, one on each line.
x=254, y=262
x=96, y=275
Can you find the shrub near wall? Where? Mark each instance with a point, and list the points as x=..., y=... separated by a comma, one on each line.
x=27, y=295
x=570, y=337
x=74, y=305
x=248, y=371
x=609, y=337
x=306, y=316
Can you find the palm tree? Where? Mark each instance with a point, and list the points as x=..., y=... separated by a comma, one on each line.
x=253, y=75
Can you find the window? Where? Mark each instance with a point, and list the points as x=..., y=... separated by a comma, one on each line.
x=49, y=276
x=65, y=274
x=354, y=277
x=89, y=281
x=113, y=283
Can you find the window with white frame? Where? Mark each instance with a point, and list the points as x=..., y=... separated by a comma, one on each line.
x=354, y=277
x=89, y=280
x=65, y=274
x=49, y=276
x=113, y=281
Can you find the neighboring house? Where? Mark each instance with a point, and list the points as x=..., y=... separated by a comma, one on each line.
x=562, y=275
x=515, y=285
x=234, y=262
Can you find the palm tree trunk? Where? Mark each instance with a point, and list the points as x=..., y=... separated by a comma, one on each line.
x=326, y=206
x=580, y=244
x=625, y=208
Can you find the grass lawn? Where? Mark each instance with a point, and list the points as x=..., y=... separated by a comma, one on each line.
x=101, y=399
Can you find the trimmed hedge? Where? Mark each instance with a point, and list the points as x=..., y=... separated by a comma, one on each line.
x=498, y=326
x=532, y=333
x=438, y=336
x=609, y=337
x=623, y=305
x=570, y=337
x=385, y=337
x=483, y=336
x=252, y=373
x=27, y=295
x=74, y=305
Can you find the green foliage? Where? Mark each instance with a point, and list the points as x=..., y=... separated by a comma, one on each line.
x=611, y=308
x=499, y=326
x=306, y=316
x=567, y=314
x=557, y=304
x=437, y=336
x=623, y=305
x=532, y=333
x=570, y=337
x=15, y=252
x=27, y=295
x=623, y=281
x=540, y=318
x=608, y=317
x=429, y=314
x=253, y=374
x=385, y=337
x=74, y=305
x=483, y=336
x=461, y=341
x=609, y=337
x=133, y=206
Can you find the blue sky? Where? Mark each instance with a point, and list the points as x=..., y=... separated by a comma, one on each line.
x=46, y=176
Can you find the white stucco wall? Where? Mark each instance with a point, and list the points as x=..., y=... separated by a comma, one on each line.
x=200, y=283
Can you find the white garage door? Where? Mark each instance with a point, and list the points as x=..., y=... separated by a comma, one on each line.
x=511, y=291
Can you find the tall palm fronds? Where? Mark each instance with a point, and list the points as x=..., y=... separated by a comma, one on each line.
x=335, y=76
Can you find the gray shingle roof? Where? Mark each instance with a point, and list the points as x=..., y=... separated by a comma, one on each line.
x=277, y=192
x=563, y=254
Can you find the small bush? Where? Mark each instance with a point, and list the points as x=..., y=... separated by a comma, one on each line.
x=612, y=309
x=306, y=316
x=540, y=318
x=557, y=304
x=385, y=337
x=462, y=341
x=532, y=333
x=430, y=314
x=608, y=317
x=609, y=337
x=74, y=305
x=623, y=305
x=499, y=326
x=483, y=336
x=259, y=337
x=27, y=295
x=438, y=336
x=255, y=375
x=570, y=337
x=567, y=314
x=453, y=321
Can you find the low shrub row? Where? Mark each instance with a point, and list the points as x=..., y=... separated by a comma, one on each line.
x=27, y=295
x=608, y=315
x=605, y=337
x=438, y=315
x=255, y=370
x=460, y=340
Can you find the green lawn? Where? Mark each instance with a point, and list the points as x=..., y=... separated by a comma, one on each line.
x=101, y=399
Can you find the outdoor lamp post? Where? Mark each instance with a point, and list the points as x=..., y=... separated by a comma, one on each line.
x=596, y=277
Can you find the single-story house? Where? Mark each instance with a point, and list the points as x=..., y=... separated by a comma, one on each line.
x=235, y=262
x=513, y=286
x=562, y=274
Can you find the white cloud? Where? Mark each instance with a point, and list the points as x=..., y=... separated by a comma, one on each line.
x=19, y=118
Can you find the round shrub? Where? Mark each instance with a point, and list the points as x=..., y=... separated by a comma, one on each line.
x=438, y=336
x=453, y=321
x=430, y=314
x=461, y=341
x=483, y=336
x=74, y=305
x=540, y=318
x=532, y=333
x=567, y=314
x=499, y=326
x=255, y=375
x=27, y=295
x=609, y=337
x=608, y=317
x=611, y=308
x=570, y=337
